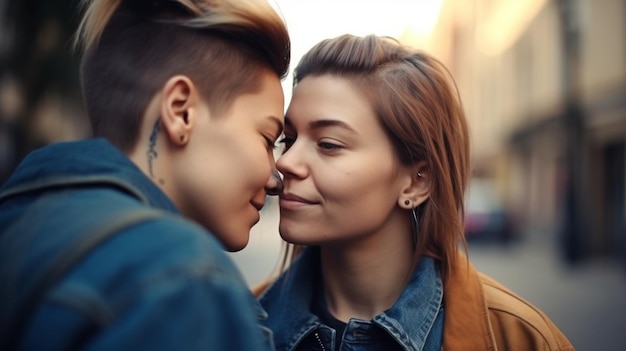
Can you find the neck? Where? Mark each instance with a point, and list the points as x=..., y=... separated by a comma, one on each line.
x=151, y=155
x=364, y=280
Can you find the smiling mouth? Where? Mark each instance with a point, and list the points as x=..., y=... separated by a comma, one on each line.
x=296, y=198
x=295, y=202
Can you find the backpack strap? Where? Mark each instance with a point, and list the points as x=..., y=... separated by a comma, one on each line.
x=69, y=257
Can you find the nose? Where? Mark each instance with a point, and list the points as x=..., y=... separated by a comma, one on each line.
x=292, y=163
x=274, y=185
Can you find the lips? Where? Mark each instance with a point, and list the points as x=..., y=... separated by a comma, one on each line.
x=296, y=198
x=257, y=205
x=257, y=215
x=294, y=202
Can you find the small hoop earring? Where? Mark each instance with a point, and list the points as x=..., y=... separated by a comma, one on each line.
x=415, y=231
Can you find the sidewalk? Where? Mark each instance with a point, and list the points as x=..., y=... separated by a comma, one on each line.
x=587, y=302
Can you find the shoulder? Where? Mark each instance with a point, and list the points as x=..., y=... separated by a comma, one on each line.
x=170, y=240
x=161, y=259
x=482, y=314
x=517, y=322
x=165, y=266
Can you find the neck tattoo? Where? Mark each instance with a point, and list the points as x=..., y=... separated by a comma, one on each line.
x=151, y=153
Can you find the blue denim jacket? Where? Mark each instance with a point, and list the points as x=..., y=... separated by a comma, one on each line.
x=163, y=284
x=414, y=322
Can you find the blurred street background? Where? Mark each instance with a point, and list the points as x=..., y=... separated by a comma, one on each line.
x=543, y=83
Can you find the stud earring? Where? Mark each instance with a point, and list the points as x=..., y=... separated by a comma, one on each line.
x=419, y=174
x=407, y=202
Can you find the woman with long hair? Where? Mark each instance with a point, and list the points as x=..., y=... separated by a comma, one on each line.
x=375, y=166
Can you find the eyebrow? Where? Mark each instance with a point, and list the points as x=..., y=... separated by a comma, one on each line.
x=324, y=123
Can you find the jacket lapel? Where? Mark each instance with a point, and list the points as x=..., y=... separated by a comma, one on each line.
x=466, y=325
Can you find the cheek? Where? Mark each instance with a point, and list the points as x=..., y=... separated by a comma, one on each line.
x=353, y=187
x=259, y=169
x=367, y=194
x=193, y=180
x=251, y=167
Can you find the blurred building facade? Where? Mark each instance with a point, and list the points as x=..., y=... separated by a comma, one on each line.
x=544, y=86
x=40, y=99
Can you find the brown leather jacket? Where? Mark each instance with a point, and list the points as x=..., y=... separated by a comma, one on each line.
x=483, y=315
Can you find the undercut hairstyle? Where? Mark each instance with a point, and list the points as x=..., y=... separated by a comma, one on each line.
x=417, y=103
x=132, y=47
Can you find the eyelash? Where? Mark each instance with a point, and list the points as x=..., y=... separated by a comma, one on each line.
x=270, y=143
x=325, y=146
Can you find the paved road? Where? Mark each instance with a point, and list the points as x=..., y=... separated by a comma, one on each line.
x=587, y=302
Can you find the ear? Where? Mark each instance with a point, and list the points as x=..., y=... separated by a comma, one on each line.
x=179, y=109
x=417, y=189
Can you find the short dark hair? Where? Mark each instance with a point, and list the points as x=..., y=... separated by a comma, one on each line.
x=131, y=48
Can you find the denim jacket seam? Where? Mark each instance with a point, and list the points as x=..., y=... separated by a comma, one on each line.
x=110, y=307
x=431, y=313
x=61, y=181
x=94, y=307
x=203, y=271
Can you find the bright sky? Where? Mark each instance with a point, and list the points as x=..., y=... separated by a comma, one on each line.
x=312, y=21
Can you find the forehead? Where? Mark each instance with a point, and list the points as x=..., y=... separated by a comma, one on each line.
x=267, y=102
x=329, y=97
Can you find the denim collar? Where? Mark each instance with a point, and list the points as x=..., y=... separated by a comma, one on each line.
x=288, y=302
x=86, y=162
x=410, y=320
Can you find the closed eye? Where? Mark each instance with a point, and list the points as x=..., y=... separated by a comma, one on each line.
x=270, y=143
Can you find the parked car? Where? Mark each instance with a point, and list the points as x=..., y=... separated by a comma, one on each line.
x=486, y=219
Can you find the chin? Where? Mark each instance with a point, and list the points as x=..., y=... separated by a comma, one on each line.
x=234, y=240
x=234, y=247
x=293, y=231
x=294, y=239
